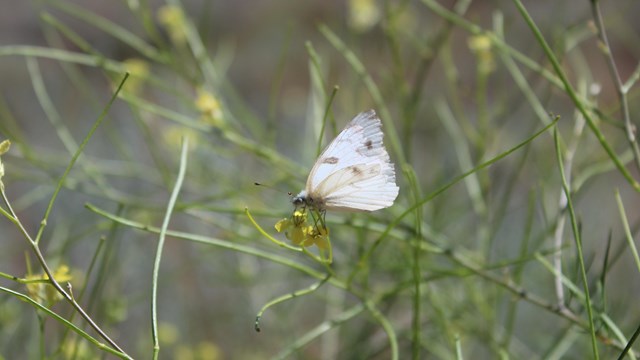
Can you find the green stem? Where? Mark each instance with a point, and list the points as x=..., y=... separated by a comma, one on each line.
x=34, y=242
x=64, y=321
x=620, y=88
x=392, y=225
x=324, y=119
x=289, y=296
x=43, y=223
x=578, y=240
x=163, y=231
x=574, y=96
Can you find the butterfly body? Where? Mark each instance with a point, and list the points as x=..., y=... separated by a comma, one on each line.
x=354, y=173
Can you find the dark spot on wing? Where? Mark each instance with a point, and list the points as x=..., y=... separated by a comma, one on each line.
x=368, y=144
x=356, y=170
x=330, y=160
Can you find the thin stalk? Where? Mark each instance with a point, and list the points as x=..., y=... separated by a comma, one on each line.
x=574, y=96
x=52, y=280
x=66, y=322
x=327, y=111
x=416, y=269
x=392, y=225
x=627, y=230
x=34, y=242
x=578, y=240
x=621, y=90
x=163, y=232
x=280, y=299
x=627, y=348
x=319, y=330
x=43, y=223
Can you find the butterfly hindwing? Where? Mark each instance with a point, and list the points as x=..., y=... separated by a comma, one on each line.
x=369, y=190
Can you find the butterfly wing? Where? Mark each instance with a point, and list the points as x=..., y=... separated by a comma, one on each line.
x=354, y=172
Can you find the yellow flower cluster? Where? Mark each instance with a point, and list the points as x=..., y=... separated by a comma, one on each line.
x=43, y=291
x=301, y=233
x=172, y=135
x=481, y=45
x=139, y=70
x=173, y=20
x=363, y=14
x=5, y=146
x=209, y=107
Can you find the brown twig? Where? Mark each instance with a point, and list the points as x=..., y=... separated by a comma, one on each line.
x=621, y=89
x=52, y=280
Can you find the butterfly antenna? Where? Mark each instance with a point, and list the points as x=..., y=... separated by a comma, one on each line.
x=273, y=188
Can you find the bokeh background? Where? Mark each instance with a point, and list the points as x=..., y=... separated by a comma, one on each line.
x=252, y=102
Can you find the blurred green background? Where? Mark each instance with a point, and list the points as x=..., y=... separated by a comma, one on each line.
x=469, y=274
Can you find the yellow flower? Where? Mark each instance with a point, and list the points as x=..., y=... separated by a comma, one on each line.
x=302, y=234
x=41, y=291
x=363, y=14
x=283, y=224
x=480, y=45
x=172, y=18
x=209, y=107
x=299, y=217
x=173, y=136
x=139, y=70
x=4, y=146
x=298, y=235
x=320, y=237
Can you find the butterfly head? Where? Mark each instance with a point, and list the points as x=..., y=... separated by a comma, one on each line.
x=300, y=199
x=303, y=199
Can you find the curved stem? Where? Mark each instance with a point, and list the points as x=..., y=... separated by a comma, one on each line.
x=163, y=232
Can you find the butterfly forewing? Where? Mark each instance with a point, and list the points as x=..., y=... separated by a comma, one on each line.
x=354, y=172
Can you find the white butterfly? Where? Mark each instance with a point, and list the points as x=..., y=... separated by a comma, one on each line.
x=354, y=172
